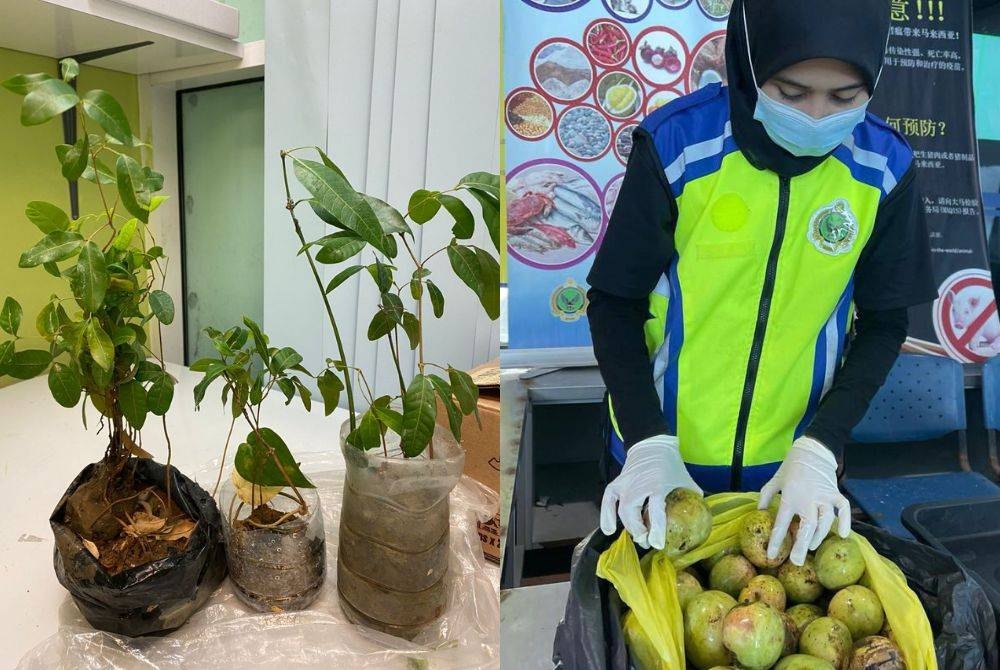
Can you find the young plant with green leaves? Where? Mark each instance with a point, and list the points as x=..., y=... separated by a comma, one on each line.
x=99, y=345
x=250, y=370
x=359, y=222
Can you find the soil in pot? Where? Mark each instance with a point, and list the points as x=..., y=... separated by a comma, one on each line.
x=158, y=570
x=392, y=565
x=276, y=554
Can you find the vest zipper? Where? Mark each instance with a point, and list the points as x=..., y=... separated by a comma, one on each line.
x=763, y=311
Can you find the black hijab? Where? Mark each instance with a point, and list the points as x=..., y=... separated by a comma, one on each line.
x=785, y=32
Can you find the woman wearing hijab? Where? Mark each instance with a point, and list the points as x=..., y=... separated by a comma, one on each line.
x=753, y=218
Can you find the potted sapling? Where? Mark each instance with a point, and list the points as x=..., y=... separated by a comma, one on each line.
x=393, y=553
x=273, y=523
x=138, y=545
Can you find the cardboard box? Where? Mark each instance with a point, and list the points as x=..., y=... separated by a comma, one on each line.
x=482, y=447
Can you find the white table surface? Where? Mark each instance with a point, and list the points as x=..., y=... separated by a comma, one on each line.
x=528, y=619
x=44, y=446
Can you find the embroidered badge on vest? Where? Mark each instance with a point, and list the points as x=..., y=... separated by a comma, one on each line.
x=833, y=228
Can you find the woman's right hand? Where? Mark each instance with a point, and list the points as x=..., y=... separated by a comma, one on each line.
x=653, y=468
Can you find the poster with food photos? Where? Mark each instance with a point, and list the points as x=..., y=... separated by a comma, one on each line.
x=579, y=76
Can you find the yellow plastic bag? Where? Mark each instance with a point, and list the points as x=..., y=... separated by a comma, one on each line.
x=653, y=626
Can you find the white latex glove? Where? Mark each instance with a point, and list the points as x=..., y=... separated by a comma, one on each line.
x=807, y=481
x=653, y=468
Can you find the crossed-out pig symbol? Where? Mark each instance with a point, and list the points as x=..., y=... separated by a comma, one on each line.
x=967, y=305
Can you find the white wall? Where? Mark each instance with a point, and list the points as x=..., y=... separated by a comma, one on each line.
x=403, y=94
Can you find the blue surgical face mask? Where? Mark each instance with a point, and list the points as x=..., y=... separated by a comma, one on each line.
x=794, y=130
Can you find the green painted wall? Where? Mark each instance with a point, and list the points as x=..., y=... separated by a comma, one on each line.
x=30, y=171
x=251, y=18
x=986, y=84
x=223, y=140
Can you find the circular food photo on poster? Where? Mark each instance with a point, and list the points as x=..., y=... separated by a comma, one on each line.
x=583, y=132
x=674, y=4
x=623, y=142
x=620, y=94
x=629, y=10
x=556, y=5
x=716, y=9
x=554, y=215
x=708, y=62
x=607, y=42
x=660, y=56
x=529, y=114
x=965, y=316
x=561, y=69
x=611, y=194
x=659, y=98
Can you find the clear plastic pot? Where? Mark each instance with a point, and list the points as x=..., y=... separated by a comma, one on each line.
x=394, y=527
x=280, y=567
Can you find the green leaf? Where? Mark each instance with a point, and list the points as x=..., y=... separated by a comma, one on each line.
x=46, y=100
x=160, y=394
x=392, y=419
x=69, y=69
x=22, y=84
x=338, y=247
x=393, y=306
x=330, y=164
x=480, y=272
x=491, y=215
x=27, y=364
x=382, y=274
x=65, y=385
x=330, y=387
x=123, y=239
x=162, y=305
x=46, y=216
x=285, y=358
x=203, y=364
x=454, y=414
x=47, y=322
x=10, y=316
x=148, y=371
x=212, y=372
x=343, y=276
x=259, y=338
x=388, y=216
x=132, y=403
x=419, y=411
x=437, y=298
x=103, y=173
x=56, y=246
x=367, y=435
x=91, y=277
x=335, y=195
x=288, y=388
x=305, y=395
x=412, y=328
x=73, y=158
x=416, y=289
x=52, y=269
x=131, y=187
x=465, y=390
x=102, y=350
x=325, y=216
x=102, y=107
x=255, y=463
x=423, y=205
x=381, y=324
x=465, y=224
x=6, y=355
x=482, y=181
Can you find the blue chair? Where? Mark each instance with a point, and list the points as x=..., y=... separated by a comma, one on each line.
x=923, y=398
x=991, y=409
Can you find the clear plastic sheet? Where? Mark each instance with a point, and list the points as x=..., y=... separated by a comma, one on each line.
x=226, y=634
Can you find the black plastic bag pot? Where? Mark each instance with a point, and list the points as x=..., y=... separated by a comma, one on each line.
x=152, y=598
x=965, y=631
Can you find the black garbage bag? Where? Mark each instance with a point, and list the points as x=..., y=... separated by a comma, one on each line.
x=965, y=631
x=153, y=598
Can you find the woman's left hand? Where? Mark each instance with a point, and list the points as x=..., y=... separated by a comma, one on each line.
x=807, y=481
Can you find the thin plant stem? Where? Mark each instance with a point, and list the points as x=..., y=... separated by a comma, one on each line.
x=319, y=284
x=225, y=449
x=394, y=348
